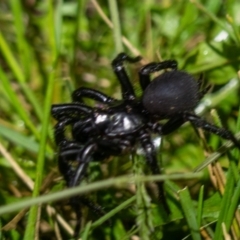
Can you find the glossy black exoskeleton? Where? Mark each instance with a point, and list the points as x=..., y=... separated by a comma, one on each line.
x=116, y=126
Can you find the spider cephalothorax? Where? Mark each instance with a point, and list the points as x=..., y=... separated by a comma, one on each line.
x=117, y=126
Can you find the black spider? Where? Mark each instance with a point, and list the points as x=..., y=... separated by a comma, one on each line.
x=116, y=126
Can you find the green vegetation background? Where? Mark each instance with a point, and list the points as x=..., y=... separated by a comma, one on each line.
x=48, y=49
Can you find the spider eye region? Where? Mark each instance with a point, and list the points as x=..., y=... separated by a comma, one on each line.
x=171, y=93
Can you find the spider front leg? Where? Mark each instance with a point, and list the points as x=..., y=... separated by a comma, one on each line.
x=151, y=158
x=59, y=129
x=68, y=150
x=145, y=71
x=83, y=159
x=66, y=157
x=70, y=110
x=82, y=92
x=80, y=156
x=117, y=64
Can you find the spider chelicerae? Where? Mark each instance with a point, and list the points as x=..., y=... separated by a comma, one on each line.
x=116, y=126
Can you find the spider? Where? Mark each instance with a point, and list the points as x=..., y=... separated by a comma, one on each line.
x=116, y=126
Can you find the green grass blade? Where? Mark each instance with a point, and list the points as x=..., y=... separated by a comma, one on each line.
x=200, y=207
x=87, y=231
x=15, y=102
x=19, y=139
x=19, y=74
x=23, y=49
x=233, y=207
x=67, y=193
x=117, y=35
x=215, y=19
x=32, y=230
x=32, y=219
x=113, y=212
x=225, y=204
x=189, y=212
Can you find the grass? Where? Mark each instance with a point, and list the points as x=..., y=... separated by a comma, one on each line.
x=47, y=50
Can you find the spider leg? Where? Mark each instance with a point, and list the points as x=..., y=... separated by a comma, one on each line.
x=59, y=135
x=202, y=90
x=73, y=152
x=200, y=81
x=66, y=157
x=117, y=64
x=69, y=110
x=151, y=158
x=196, y=121
x=76, y=205
x=170, y=126
x=201, y=123
x=68, y=150
x=82, y=92
x=82, y=155
x=145, y=71
x=83, y=158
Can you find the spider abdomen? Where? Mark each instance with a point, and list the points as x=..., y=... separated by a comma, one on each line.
x=171, y=93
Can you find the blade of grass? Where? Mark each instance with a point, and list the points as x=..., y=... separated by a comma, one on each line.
x=19, y=139
x=200, y=207
x=209, y=66
x=53, y=33
x=213, y=157
x=87, y=230
x=18, y=107
x=235, y=28
x=79, y=25
x=225, y=203
x=221, y=182
x=113, y=212
x=30, y=231
x=16, y=69
x=67, y=193
x=214, y=99
x=144, y=215
x=23, y=50
x=116, y=25
x=30, y=184
x=17, y=169
x=232, y=209
x=110, y=25
x=13, y=96
x=236, y=152
x=189, y=213
x=215, y=19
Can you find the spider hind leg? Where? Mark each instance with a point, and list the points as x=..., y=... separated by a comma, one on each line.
x=201, y=123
